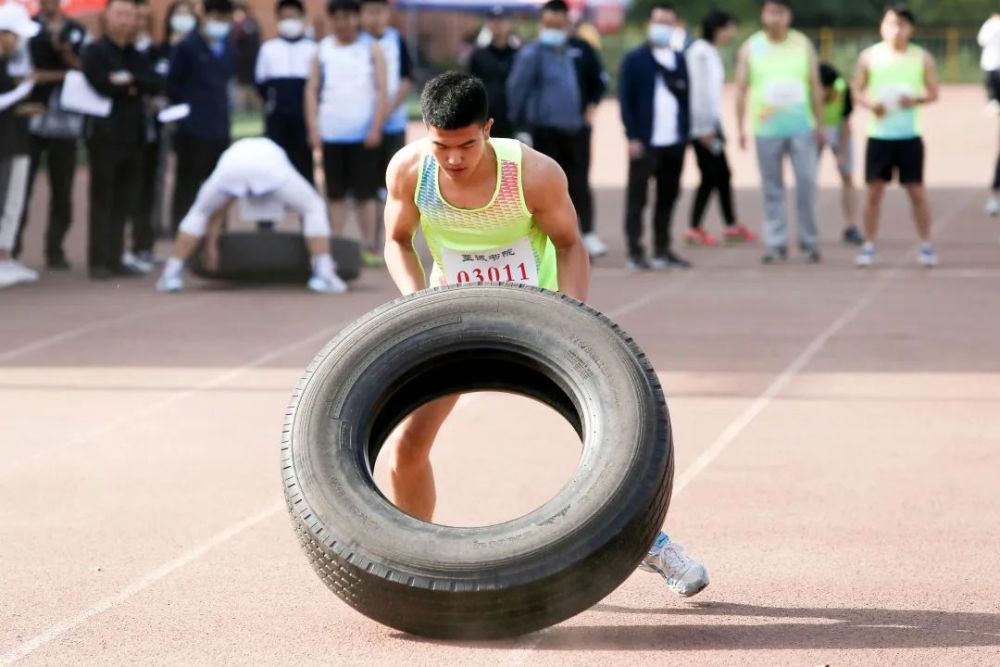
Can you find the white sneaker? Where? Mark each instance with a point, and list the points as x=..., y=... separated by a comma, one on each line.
x=23, y=273
x=993, y=205
x=9, y=275
x=683, y=574
x=128, y=259
x=331, y=284
x=927, y=258
x=866, y=257
x=594, y=245
x=170, y=284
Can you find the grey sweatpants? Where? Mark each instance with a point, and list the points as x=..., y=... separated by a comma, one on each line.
x=804, y=155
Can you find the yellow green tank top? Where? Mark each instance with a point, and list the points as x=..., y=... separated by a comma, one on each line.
x=499, y=242
x=892, y=74
x=779, y=77
x=833, y=110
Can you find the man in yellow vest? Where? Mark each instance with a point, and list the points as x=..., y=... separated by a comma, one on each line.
x=778, y=72
x=894, y=78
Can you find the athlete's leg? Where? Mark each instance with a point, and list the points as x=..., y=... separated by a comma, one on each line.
x=410, y=472
x=873, y=209
x=921, y=210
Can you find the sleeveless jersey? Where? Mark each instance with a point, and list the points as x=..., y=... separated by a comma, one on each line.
x=498, y=242
x=892, y=74
x=780, y=104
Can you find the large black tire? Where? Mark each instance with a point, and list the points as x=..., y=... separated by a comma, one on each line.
x=495, y=581
x=275, y=257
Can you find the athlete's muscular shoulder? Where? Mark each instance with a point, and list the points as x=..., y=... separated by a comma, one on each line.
x=543, y=179
x=404, y=170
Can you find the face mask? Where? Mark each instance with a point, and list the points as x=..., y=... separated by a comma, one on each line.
x=660, y=34
x=182, y=24
x=291, y=28
x=217, y=30
x=552, y=37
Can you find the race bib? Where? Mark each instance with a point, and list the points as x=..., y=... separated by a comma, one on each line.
x=512, y=264
x=261, y=209
x=784, y=93
x=890, y=96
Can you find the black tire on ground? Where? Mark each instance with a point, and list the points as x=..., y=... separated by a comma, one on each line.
x=275, y=257
x=495, y=581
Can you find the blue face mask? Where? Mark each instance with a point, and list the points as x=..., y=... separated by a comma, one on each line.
x=552, y=37
x=660, y=34
x=216, y=29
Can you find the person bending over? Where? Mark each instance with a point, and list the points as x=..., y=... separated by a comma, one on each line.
x=259, y=169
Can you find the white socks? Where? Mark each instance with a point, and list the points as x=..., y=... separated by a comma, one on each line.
x=174, y=267
x=323, y=265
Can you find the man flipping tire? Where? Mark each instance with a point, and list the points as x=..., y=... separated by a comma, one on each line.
x=492, y=210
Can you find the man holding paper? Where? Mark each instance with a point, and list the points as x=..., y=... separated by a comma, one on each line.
x=893, y=80
x=115, y=142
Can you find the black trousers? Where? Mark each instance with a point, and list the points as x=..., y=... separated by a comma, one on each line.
x=196, y=158
x=115, y=177
x=996, y=176
x=289, y=132
x=715, y=175
x=571, y=150
x=143, y=232
x=60, y=161
x=664, y=165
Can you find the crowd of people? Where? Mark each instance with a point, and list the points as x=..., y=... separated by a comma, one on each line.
x=344, y=98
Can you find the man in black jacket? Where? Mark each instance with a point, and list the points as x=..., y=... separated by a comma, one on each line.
x=115, y=144
x=491, y=64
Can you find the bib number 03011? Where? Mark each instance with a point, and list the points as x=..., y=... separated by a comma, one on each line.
x=509, y=264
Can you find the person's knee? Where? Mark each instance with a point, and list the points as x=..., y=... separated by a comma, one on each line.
x=874, y=192
x=410, y=450
x=916, y=192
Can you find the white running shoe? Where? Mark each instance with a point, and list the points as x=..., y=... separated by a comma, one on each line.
x=683, y=574
x=927, y=258
x=866, y=257
x=170, y=284
x=331, y=284
x=128, y=259
x=9, y=275
x=993, y=206
x=25, y=275
x=594, y=245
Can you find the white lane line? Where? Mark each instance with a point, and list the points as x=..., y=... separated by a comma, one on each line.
x=84, y=329
x=524, y=647
x=60, y=628
x=137, y=586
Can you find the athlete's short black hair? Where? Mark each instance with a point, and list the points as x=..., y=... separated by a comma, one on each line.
x=828, y=74
x=218, y=6
x=558, y=6
x=290, y=4
x=787, y=4
x=454, y=100
x=715, y=21
x=349, y=6
x=902, y=11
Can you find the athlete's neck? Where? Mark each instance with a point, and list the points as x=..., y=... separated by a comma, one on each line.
x=899, y=47
x=777, y=36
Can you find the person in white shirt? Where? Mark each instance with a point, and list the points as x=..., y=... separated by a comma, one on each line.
x=255, y=168
x=281, y=73
x=989, y=39
x=346, y=108
x=708, y=76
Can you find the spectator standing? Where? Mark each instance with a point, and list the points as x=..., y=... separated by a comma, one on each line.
x=15, y=27
x=178, y=23
x=201, y=67
x=116, y=143
x=349, y=66
x=281, y=73
x=549, y=109
x=653, y=91
x=838, y=106
x=708, y=76
x=246, y=40
x=989, y=39
x=56, y=133
x=492, y=64
x=778, y=71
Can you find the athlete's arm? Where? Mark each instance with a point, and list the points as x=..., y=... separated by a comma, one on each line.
x=547, y=195
x=401, y=220
x=311, y=104
x=859, y=87
x=742, y=84
x=931, y=88
x=816, y=94
x=374, y=137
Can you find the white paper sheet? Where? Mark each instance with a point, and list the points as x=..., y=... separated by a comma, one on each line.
x=174, y=113
x=78, y=95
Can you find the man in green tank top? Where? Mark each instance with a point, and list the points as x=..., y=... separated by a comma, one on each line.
x=837, y=109
x=894, y=78
x=491, y=210
x=777, y=70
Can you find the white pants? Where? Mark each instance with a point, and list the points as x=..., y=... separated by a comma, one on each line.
x=294, y=194
x=13, y=189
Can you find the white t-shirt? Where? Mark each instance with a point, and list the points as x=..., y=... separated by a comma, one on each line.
x=348, y=96
x=707, y=74
x=989, y=39
x=665, y=106
x=252, y=167
x=283, y=59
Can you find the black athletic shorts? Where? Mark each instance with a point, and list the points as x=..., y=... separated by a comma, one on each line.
x=391, y=144
x=351, y=169
x=884, y=157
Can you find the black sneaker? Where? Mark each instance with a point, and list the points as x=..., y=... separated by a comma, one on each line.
x=637, y=264
x=775, y=254
x=853, y=236
x=57, y=264
x=812, y=255
x=669, y=261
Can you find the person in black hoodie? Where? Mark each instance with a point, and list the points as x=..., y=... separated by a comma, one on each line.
x=116, y=143
x=653, y=98
x=491, y=64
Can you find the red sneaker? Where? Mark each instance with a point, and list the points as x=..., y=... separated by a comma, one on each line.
x=740, y=234
x=700, y=237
